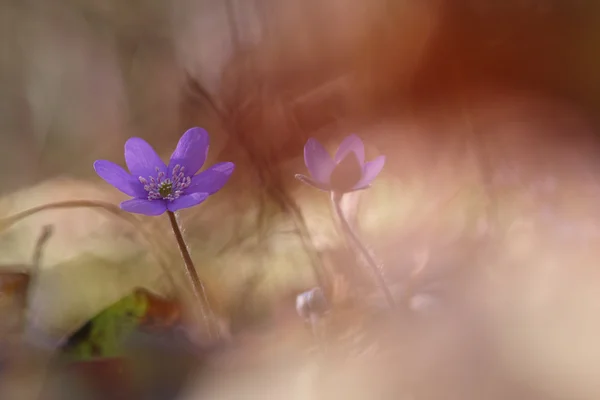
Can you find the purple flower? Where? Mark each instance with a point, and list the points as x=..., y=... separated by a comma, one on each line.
x=156, y=187
x=312, y=302
x=346, y=172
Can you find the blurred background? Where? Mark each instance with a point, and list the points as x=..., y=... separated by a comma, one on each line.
x=487, y=113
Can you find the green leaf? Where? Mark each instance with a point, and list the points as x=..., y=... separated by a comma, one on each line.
x=102, y=335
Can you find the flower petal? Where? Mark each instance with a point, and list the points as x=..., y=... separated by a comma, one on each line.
x=143, y=206
x=191, y=151
x=305, y=179
x=318, y=161
x=351, y=143
x=141, y=158
x=186, y=201
x=370, y=172
x=119, y=178
x=212, y=179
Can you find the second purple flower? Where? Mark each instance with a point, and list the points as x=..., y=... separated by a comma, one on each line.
x=346, y=172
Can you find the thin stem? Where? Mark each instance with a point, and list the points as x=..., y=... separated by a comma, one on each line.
x=197, y=285
x=36, y=263
x=45, y=235
x=335, y=201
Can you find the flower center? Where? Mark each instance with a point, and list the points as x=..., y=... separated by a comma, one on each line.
x=165, y=188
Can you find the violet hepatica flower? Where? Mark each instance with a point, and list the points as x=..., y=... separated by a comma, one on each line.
x=311, y=303
x=346, y=172
x=157, y=187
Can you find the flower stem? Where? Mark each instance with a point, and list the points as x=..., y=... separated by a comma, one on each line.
x=335, y=201
x=197, y=285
